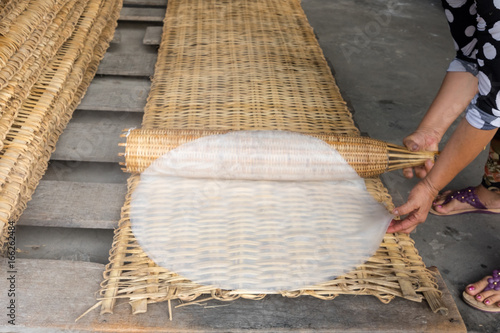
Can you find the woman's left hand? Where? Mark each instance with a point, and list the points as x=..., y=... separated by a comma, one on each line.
x=416, y=208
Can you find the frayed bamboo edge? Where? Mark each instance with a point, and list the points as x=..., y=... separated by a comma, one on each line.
x=88, y=311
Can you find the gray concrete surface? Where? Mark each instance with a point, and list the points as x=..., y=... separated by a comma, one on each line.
x=389, y=57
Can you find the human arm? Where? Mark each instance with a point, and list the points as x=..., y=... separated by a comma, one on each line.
x=456, y=92
x=464, y=145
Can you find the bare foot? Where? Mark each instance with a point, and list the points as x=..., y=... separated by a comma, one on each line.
x=487, y=290
x=490, y=199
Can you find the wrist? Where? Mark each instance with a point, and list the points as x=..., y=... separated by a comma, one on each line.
x=433, y=134
x=430, y=187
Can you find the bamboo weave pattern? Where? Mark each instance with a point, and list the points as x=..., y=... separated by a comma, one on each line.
x=249, y=65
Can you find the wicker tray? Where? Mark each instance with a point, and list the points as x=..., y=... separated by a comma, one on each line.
x=249, y=65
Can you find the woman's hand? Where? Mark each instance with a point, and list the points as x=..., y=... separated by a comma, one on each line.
x=416, y=208
x=421, y=140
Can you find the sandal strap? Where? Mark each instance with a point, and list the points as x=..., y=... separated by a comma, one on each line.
x=493, y=282
x=467, y=195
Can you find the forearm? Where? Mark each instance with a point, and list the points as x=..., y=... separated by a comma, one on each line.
x=456, y=92
x=463, y=147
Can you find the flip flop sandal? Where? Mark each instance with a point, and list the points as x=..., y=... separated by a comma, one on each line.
x=467, y=195
x=470, y=300
x=493, y=283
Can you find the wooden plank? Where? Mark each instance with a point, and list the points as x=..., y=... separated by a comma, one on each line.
x=132, y=35
x=152, y=3
x=75, y=205
x=117, y=36
x=116, y=94
x=152, y=36
x=95, y=140
x=51, y=294
x=127, y=64
x=142, y=14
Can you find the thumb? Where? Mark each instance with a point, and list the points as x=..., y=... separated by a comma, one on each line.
x=403, y=209
x=411, y=144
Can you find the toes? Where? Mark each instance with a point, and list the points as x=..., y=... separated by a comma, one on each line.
x=476, y=288
x=445, y=209
x=440, y=198
x=490, y=297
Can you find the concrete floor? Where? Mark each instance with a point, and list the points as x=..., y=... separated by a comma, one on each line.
x=389, y=57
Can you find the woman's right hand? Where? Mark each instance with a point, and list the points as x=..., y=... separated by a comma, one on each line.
x=421, y=140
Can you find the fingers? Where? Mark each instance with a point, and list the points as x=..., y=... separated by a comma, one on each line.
x=422, y=171
x=416, y=209
x=405, y=226
x=408, y=173
x=428, y=165
x=417, y=142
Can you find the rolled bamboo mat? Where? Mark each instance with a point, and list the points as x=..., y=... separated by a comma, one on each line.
x=247, y=65
x=44, y=112
x=369, y=157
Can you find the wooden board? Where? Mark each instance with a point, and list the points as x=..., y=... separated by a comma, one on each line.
x=117, y=37
x=142, y=14
x=152, y=3
x=152, y=36
x=75, y=205
x=93, y=141
x=127, y=64
x=116, y=94
x=51, y=294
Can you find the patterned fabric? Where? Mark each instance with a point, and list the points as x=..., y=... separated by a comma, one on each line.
x=475, y=27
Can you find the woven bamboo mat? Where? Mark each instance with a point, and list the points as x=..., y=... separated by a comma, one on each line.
x=250, y=65
x=63, y=63
x=9, y=11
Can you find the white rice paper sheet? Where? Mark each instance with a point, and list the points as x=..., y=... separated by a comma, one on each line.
x=256, y=211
